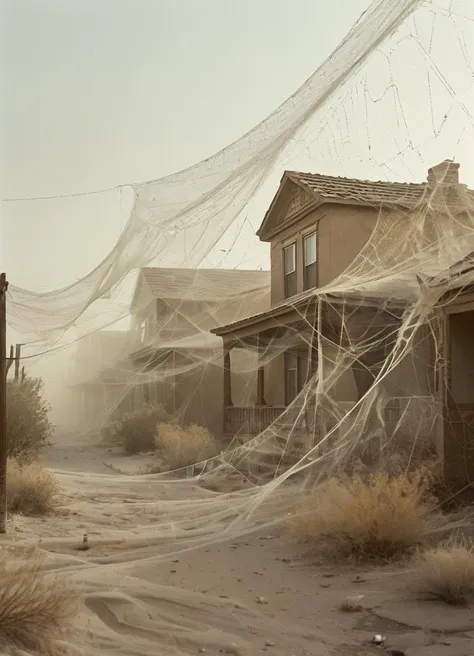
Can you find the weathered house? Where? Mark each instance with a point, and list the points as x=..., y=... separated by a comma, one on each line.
x=454, y=310
x=177, y=360
x=317, y=227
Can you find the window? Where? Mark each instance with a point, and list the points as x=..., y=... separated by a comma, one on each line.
x=310, y=263
x=143, y=331
x=289, y=269
x=296, y=369
x=291, y=377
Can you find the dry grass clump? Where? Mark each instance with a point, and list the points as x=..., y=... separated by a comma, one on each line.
x=32, y=490
x=447, y=572
x=351, y=605
x=181, y=446
x=35, y=611
x=135, y=431
x=377, y=517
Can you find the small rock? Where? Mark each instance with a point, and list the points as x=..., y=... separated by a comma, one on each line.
x=201, y=650
x=262, y=600
x=269, y=643
x=84, y=546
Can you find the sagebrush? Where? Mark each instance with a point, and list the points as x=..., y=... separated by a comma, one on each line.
x=447, y=572
x=28, y=426
x=135, y=431
x=182, y=446
x=32, y=490
x=376, y=517
x=35, y=612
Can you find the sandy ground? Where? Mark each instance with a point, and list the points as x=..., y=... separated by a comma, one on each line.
x=175, y=569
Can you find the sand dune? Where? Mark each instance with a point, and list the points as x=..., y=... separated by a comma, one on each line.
x=136, y=522
x=173, y=569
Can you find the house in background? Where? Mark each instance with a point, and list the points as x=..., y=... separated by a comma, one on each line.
x=317, y=226
x=176, y=360
x=92, y=396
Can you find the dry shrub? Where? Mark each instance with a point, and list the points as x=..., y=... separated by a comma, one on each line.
x=184, y=446
x=32, y=490
x=351, y=605
x=135, y=431
x=35, y=611
x=447, y=572
x=28, y=425
x=378, y=517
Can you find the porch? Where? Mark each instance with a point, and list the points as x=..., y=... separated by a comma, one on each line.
x=249, y=421
x=285, y=340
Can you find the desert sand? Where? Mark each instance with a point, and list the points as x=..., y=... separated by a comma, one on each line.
x=175, y=569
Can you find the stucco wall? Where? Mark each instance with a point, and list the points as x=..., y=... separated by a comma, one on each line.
x=343, y=231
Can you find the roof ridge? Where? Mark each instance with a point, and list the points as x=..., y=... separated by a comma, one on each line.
x=217, y=269
x=346, y=179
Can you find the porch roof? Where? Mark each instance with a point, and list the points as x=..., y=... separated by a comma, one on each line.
x=202, y=341
x=292, y=310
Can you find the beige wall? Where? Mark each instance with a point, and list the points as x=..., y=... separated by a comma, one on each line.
x=414, y=376
x=343, y=230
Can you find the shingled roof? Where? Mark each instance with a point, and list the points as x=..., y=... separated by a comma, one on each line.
x=203, y=284
x=441, y=191
x=361, y=191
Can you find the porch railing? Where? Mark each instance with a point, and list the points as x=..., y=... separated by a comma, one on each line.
x=251, y=420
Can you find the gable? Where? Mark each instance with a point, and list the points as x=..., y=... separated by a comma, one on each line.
x=291, y=201
x=299, y=199
x=142, y=296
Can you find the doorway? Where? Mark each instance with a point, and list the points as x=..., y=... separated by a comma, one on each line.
x=458, y=412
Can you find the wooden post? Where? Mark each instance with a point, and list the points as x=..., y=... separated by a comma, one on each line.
x=3, y=403
x=17, y=363
x=260, y=378
x=9, y=361
x=227, y=379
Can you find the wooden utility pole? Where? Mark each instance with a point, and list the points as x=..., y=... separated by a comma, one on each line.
x=3, y=403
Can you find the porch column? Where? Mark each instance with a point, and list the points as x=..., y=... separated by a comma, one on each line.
x=260, y=378
x=227, y=378
x=312, y=355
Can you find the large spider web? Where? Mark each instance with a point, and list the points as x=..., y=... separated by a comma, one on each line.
x=360, y=114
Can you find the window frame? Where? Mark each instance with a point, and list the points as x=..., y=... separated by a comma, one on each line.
x=289, y=369
x=286, y=275
x=306, y=266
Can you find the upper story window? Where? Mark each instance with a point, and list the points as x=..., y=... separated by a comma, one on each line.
x=310, y=261
x=289, y=269
x=142, y=331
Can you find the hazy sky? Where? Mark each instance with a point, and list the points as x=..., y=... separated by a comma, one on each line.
x=106, y=92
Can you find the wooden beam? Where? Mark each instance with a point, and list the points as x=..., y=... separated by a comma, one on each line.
x=17, y=363
x=227, y=380
x=3, y=403
x=260, y=377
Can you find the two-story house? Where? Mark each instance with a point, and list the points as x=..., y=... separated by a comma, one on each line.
x=320, y=230
x=177, y=361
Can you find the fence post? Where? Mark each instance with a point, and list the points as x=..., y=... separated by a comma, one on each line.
x=3, y=403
